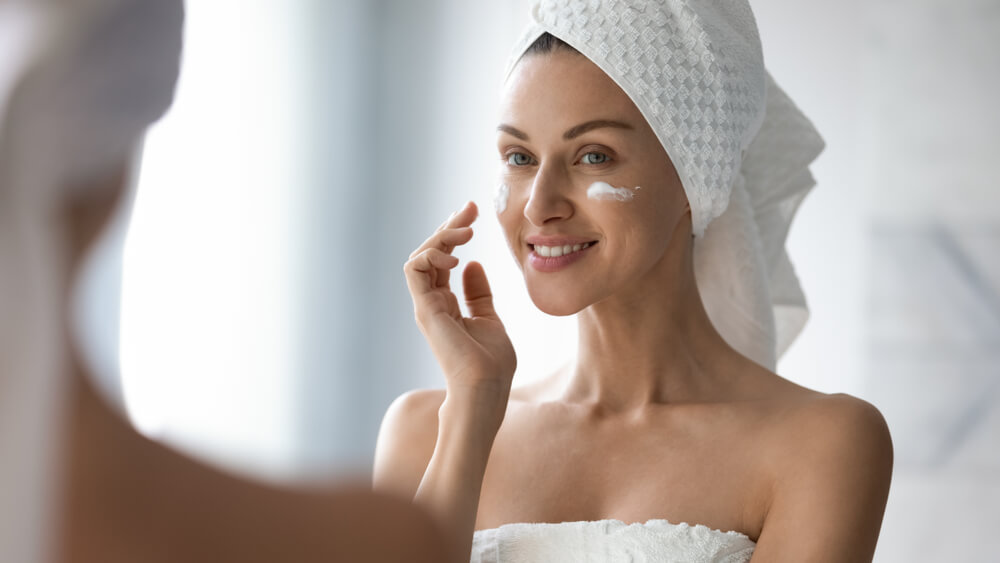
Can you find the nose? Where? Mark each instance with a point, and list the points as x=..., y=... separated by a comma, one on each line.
x=549, y=200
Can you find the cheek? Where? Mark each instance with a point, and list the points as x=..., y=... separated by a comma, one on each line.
x=603, y=191
x=641, y=224
x=500, y=198
x=507, y=214
x=658, y=222
x=510, y=192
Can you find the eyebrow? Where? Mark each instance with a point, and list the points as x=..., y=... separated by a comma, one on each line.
x=572, y=132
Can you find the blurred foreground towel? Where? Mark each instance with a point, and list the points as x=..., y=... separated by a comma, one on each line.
x=80, y=81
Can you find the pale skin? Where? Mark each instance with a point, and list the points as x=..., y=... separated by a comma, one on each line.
x=657, y=416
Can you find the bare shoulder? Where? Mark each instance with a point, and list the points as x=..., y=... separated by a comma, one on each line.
x=831, y=459
x=406, y=441
x=817, y=433
x=819, y=425
x=811, y=421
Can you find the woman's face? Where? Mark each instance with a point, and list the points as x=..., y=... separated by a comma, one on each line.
x=564, y=126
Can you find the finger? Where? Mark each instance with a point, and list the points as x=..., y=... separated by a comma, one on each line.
x=444, y=225
x=478, y=297
x=424, y=271
x=445, y=240
x=461, y=218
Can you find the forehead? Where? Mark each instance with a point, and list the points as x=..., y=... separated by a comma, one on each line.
x=562, y=89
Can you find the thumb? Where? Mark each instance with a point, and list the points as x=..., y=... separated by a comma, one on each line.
x=478, y=297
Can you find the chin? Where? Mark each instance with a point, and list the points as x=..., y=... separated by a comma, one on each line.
x=557, y=304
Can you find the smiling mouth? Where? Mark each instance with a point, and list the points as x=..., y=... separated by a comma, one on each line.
x=556, y=251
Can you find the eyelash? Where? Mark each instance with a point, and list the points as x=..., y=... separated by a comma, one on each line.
x=507, y=158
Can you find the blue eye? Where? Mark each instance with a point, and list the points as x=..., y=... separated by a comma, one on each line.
x=518, y=159
x=595, y=158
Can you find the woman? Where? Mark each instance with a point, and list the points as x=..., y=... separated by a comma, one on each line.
x=640, y=191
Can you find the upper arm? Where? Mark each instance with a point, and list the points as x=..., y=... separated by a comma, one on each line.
x=406, y=442
x=829, y=494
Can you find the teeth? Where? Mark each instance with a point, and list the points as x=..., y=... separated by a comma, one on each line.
x=555, y=251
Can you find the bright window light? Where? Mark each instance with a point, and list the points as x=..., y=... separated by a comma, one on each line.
x=207, y=292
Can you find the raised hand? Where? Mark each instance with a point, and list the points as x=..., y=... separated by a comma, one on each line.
x=478, y=361
x=474, y=352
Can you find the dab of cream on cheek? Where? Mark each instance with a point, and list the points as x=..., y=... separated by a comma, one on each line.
x=604, y=190
x=500, y=198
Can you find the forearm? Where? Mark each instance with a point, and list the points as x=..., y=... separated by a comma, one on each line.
x=451, y=485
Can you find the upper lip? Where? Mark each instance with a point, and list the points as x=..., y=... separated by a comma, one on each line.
x=556, y=240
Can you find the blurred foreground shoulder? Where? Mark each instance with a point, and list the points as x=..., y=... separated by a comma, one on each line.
x=406, y=441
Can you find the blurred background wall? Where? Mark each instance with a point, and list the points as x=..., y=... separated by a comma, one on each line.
x=314, y=144
x=898, y=246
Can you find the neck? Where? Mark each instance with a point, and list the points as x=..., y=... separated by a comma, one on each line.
x=650, y=344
